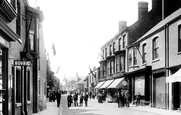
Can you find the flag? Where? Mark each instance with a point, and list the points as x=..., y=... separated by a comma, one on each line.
x=92, y=72
x=53, y=48
x=58, y=69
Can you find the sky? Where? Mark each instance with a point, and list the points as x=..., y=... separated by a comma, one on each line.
x=79, y=28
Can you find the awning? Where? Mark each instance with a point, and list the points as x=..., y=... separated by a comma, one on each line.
x=176, y=77
x=100, y=84
x=117, y=83
x=107, y=83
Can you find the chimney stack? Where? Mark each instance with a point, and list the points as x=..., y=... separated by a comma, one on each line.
x=142, y=9
x=157, y=4
x=122, y=25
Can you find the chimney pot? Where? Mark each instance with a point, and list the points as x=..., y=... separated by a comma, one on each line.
x=122, y=25
x=142, y=9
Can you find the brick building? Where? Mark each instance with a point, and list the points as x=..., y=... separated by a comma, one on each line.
x=23, y=58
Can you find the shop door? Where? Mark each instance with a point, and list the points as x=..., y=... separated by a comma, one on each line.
x=160, y=92
x=3, y=82
x=176, y=95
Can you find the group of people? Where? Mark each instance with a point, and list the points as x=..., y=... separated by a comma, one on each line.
x=55, y=95
x=123, y=98
x=77, y=99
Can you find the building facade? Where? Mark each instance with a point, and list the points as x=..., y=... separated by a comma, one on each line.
x=149, y=62
x=23, y=78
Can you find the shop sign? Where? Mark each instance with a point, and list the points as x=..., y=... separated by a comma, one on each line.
x=124, y=83
x=22, y=63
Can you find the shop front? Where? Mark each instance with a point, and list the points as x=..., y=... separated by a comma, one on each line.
x=139, y=81
x=174, y=81
x=114, y=87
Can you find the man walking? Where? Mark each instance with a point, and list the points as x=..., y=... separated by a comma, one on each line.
x=58, y=96
x=69, y=99
x=86, y=99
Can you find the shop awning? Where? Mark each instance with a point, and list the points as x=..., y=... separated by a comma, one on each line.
x=100, y=84
x=176, y=77
x=117, y=83
x=107, y=83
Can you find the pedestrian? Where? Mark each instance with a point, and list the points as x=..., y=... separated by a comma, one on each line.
x=90, y=95
x=127, y=95
x=138, y=97
x=69, y=99
x=86, y=99
x=81, y=99
x=100, y=97
x=75, y=98
x=122, y=98
x=118, y=98
x=53, y=96
x=58, y=96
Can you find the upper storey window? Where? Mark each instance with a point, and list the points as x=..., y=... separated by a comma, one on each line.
x=130, y=60
x=124, y=41
x=114, y=47
x=144, y=52
x=105, y=52
x=119, y=44
x=135, y=56
x=155, y=48
x=179, y=38
x=110, y=50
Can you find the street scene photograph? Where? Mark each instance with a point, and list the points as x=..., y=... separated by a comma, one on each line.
x=90, y=57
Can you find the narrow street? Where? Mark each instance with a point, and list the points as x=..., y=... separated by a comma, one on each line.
x=95, y=108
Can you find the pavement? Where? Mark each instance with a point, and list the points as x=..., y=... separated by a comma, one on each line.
x=52, y=109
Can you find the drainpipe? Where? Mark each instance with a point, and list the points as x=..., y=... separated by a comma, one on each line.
x=168, y=100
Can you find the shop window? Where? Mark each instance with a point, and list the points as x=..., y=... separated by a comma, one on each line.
x=28, y=84
x=18, y=85
x=155, y=48
x=144, y=52
x=179, y=38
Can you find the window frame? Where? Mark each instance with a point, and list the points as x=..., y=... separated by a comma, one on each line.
x=119, y=44
x=155, y=47
x=124, y=40
x=179, y=38
x=135, y=56
x=144, y=53
x=18, y=84
x=130, y=58
x=110, y=50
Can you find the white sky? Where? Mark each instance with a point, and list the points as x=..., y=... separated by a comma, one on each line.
x=79, y=28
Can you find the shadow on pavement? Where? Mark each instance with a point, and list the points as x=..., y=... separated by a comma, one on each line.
x=80, y=111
